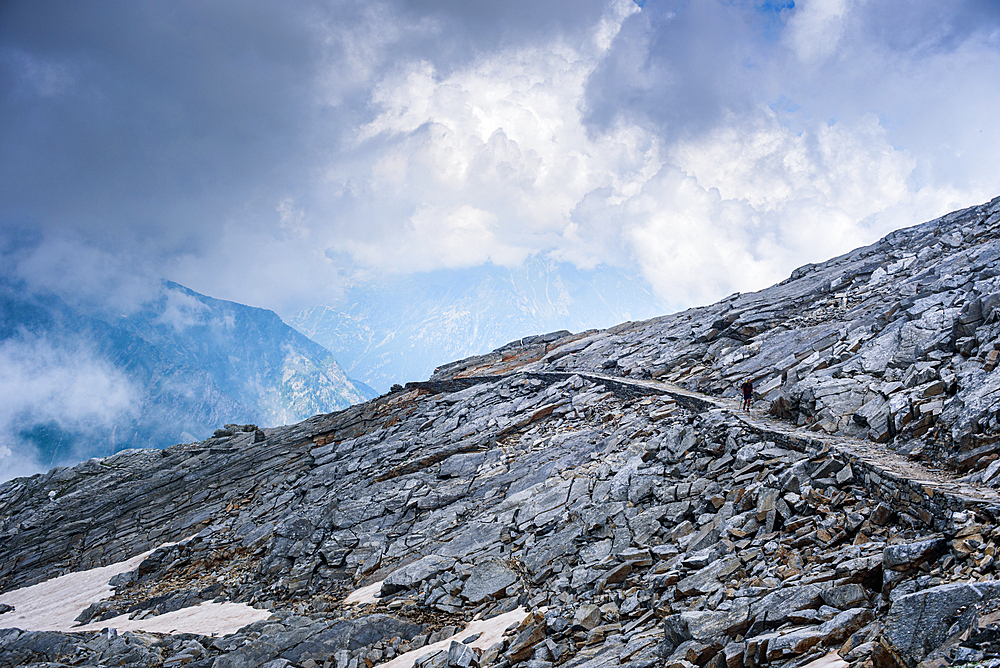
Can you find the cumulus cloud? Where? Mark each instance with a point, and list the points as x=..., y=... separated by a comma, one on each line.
x=65, y=388
x=270, y=154
x=487, y=162
x=736, y=208
x=701, y=209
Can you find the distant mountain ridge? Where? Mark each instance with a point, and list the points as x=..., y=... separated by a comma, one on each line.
x=172, y=371
x=401, y=330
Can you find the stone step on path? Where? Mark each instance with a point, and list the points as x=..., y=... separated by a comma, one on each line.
x=932, y=494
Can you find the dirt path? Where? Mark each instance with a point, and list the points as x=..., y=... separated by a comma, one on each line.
x=874, y=454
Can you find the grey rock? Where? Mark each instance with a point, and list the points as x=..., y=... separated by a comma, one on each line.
x=475, y=536
x=489, y=578
x=461, y=655
x=587, y=617
x=773, y=609
x=273, y=663
x=413, y=574
x=322, y=639
x=622, y=480
x=845, y=596
x=709, y=626
x=707, y=580
x=549, y=549
x=918, y=623
x=844, y=624
x=909, y=555
x=793, y=643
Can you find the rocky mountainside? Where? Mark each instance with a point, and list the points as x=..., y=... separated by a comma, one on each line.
x=400, y=330
x=599, y=496
x=894, y=342
x=180, y=366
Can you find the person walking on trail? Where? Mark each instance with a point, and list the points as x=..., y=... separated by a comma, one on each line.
x=747, y=388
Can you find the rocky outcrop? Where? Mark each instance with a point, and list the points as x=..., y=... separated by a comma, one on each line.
x=639, y=530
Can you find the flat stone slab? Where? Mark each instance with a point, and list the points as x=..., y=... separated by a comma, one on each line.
x=413, y=574
x=487, y=579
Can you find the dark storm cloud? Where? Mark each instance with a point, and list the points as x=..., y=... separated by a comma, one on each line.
x=150, y=120
x=266, y=152
x=150, y=128
x=485, y=26
x=680, y=66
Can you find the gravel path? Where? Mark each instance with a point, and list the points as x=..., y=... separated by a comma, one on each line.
x=874, y=454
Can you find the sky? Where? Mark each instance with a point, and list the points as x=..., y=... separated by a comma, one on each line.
x=272, y=153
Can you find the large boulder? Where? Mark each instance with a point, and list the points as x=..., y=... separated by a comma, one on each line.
x=413, y=574
x=488, y=578
x=918, y=623
x=772, y=610
x=910, y=555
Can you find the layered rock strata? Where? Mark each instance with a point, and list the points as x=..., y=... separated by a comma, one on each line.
x=637, y=525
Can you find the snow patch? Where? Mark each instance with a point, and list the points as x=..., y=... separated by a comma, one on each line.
x=364, y=595
x=55, y=604
x=829, y=660
x=491, y=630
x=206, y=619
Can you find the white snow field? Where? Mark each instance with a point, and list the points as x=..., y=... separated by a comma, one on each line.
x=491, y=629
x=55, y=604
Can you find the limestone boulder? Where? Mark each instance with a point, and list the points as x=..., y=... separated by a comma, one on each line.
x=918, y=623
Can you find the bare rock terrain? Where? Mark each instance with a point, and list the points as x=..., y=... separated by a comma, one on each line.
x=604, y=484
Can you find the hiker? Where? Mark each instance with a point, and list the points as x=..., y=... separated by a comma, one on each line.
x=747, y=388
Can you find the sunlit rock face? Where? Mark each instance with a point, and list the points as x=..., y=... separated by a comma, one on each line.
x=602, y=493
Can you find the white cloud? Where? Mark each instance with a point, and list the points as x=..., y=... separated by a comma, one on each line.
x=494, y=161
x=815, y=28
x=437, y=238
x=45, y=383
x=364, y=138
x=181, y=310
x=498, y=152
x=852, y=168
x=741, y=206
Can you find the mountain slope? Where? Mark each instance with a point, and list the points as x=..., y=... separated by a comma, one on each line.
x=600, y=519
x=85, y=383
x=264, y=364
x=896, y=342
